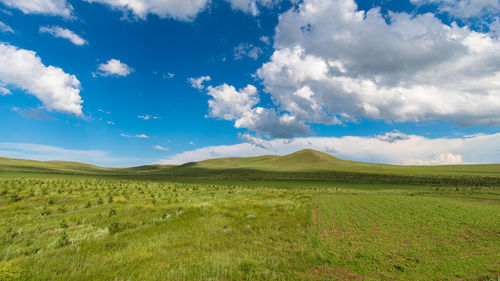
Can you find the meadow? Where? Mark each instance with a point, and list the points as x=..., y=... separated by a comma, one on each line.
x=129, y=226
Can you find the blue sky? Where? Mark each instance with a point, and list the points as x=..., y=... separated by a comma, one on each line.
x=118, y=83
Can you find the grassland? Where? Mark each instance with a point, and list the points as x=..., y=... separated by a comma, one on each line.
x=217, y=221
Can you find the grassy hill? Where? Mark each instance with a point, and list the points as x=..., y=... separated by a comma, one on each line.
x=23, y=165
x=305, y=164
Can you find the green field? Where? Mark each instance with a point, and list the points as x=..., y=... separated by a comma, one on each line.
x=305, y=216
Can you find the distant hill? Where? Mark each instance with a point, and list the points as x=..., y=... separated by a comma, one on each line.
x=305, y=161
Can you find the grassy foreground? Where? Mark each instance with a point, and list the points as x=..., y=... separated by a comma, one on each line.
x=131, y=226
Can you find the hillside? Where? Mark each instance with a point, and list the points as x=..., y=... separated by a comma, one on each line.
x=309, y=160
x=306, y=163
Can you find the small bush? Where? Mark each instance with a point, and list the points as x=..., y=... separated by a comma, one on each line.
x=63, y=240
x=63, y=224
x=45, y=211
x=112, y=212
x=14, y=197
x=114, y=228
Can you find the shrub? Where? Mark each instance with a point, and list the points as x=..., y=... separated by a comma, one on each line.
x=114, y=228
x=14, y=197
x=45, y=211
x=63, y=240
x=112, y=212
x=63, y=224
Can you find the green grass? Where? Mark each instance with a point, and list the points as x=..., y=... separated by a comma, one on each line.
x=305, y=161
x=409, y=237
x=207, y=221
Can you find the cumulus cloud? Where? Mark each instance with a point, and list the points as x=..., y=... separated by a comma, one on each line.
x=184, y=10
x=60, y=32
x=247, y=50
x=198, y=82
x=159, y=147
x=441, y=159
x=56, y=89
x=416, y=150
x=114, y=67
x=258, y=142
x=334, y=64
x=43, y=7
x=464, y=8
x=5, y=28
x=393, y=136
x=47, y=152
x=253, y=6
x=239, y=106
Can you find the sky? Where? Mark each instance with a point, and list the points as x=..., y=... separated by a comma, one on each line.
x=134, y=82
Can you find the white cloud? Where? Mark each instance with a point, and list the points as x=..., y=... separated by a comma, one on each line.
x=104, y=111
x=4, y=91
x=184, y=10
x=413, y=150
x=265, y=40
x=168, y=75
x=247, y=50
x=147, y=117
x=227, y=103
x=139, y=136
x=441, y=159
x=198, y=82
x=191, y=143
x=110, y=122
x=252, y=6
x=44, y=7
x=159, y=147
x=464, y=8
x=258, y=142
x=60, y=32
x=114, y=67
x=230, y=104
x=47, y=152
x=334, y=64
x=5, y=28
x=393, y=136
x=56, y=89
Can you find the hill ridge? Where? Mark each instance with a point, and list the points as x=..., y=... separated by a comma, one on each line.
x=302, y=161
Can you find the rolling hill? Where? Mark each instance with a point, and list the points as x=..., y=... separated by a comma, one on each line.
x=306, y=163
